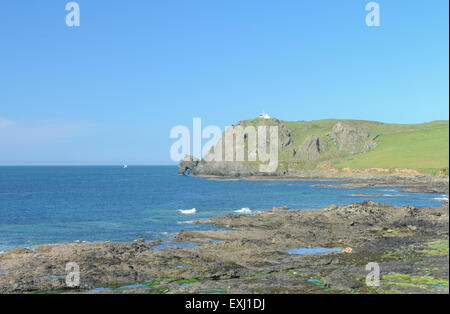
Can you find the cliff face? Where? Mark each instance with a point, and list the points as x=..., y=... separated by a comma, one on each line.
x=323, y=145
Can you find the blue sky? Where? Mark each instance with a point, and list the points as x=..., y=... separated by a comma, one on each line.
x=109, y=91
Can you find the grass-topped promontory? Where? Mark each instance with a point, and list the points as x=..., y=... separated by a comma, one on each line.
x=357, y=145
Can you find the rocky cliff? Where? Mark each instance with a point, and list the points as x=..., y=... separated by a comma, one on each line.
x=323, y=145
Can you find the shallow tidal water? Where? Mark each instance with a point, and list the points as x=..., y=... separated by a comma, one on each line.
x=313, y=250
x=50, y=205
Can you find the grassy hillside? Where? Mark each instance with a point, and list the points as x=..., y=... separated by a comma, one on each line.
x=357, y=144
x=421, y=149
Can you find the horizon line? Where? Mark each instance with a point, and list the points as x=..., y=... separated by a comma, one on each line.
x=87, y=165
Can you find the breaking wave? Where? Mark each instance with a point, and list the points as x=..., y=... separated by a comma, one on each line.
x=244, y=210
x=188, y=211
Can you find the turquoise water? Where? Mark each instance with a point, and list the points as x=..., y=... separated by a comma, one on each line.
x=132, y=286
x=166, y=244
x=49, y=205
x=313, y=250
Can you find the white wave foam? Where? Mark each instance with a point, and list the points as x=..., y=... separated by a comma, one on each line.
x=244, y=210
x=187, y=222
x=188, y=211
x=441, y=198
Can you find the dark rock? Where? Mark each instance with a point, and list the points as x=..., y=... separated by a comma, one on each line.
x=311, y=148
x=187, y=164
x=348, y=136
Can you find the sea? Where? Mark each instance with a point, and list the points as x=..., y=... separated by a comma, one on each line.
x=58, y=204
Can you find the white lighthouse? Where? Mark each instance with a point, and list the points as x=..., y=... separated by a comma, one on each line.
x=264, y=116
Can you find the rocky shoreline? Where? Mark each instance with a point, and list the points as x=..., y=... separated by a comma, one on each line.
x=249, y=255
x=234, y=171
x=410, y=184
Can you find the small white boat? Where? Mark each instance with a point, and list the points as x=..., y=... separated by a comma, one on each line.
x=125, y=166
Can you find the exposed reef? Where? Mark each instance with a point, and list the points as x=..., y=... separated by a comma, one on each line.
x=409, y=244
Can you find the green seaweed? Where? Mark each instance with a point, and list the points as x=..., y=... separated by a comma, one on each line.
x=439, y=247
x=423, y=282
